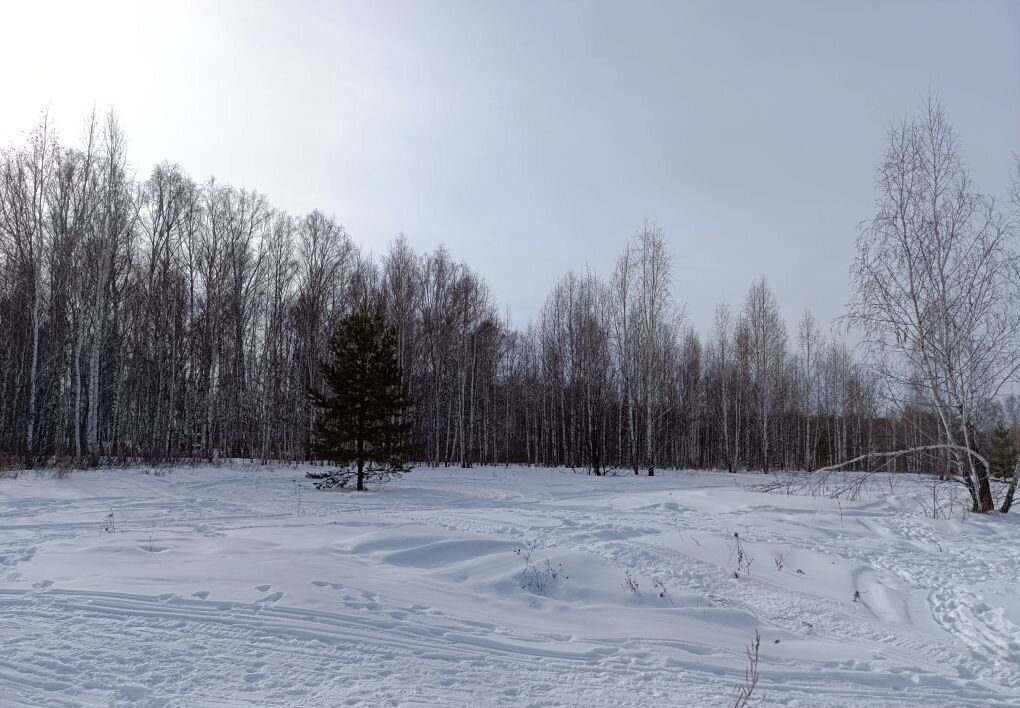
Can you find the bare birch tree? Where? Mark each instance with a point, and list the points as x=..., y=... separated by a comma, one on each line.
x=934, y=289
x=767, y=351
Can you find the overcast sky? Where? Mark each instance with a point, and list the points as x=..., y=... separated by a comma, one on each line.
x=536, y=137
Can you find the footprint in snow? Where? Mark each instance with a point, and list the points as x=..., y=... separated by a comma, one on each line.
x=201, y=594
x=263, y=588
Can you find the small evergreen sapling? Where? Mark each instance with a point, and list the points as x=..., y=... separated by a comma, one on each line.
x=362, y=424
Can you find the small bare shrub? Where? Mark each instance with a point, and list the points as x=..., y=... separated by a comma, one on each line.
x=538, y=577
x=660, y=587
x=151, y=527
x=630, y=584
x=743, y=560
x=746, y=690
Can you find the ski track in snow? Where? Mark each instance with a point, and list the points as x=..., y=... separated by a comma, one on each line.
x=238, y=586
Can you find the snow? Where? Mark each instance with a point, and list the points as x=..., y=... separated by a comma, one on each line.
x=241, y=585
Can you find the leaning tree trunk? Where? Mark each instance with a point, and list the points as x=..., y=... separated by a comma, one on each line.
x=1007, y=502
x=980, y=487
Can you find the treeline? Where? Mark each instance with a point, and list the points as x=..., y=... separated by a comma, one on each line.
x=161, y=318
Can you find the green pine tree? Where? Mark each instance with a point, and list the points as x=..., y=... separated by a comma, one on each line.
x=362, y=424
x=1003, y=455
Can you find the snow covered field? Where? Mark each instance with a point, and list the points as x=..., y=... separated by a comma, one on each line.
x=237, y=586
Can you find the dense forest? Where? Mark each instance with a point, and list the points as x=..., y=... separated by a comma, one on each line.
x=153, y=317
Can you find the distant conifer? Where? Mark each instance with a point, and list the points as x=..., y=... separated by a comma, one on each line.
x=1003, y=455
